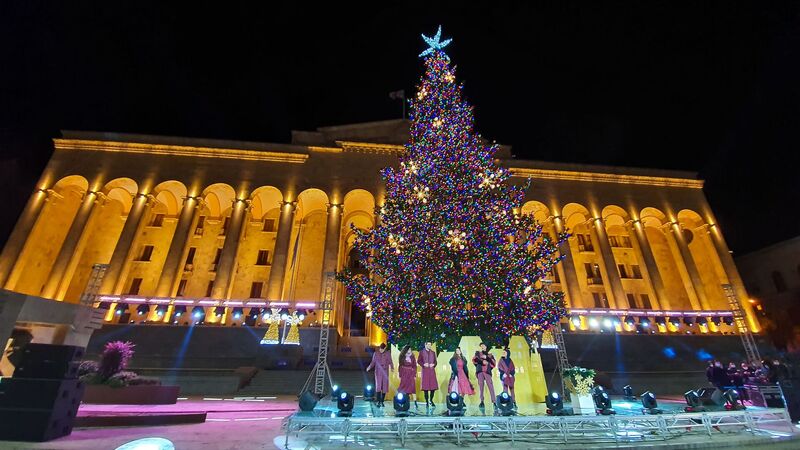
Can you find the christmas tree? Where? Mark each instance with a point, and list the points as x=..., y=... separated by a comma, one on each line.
x=451, y=256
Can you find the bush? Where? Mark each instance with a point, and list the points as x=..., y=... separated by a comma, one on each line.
x=121, y=379
x=115, y=358
x=87, y=368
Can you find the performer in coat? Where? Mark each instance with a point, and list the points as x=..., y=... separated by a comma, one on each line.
x=427, y=359
x=484, y=363
x=507, y=371
x=382, y=363
x=459, y=377
x=408, y=373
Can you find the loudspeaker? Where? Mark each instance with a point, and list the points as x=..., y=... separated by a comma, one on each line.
x=710, y=396
x=34, y=425
x=38, y=409
x=308, y=401
x=62, y=395
x=51, y=353
x=47, y=369
x=49, y=361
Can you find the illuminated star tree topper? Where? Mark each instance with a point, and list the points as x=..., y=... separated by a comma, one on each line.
x=451, y=255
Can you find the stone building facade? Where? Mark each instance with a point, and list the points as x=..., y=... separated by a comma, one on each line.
x=230, y=228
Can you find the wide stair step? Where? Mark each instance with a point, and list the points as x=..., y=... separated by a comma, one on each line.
x=289, y=382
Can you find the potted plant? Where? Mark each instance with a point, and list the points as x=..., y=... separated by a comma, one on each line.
x=580, y=382
x=109, y=382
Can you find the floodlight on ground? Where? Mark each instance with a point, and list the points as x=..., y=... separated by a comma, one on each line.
x=455, y=404
x=693, y=402
x=369, y=393
x=505, y=404
x=401, y=404
x=627, y=391
x=732, y=400
x=602, y=402
x=555, y=404
x=345, y=403
x=649, y=403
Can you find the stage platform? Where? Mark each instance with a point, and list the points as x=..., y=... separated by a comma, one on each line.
x=628, y=427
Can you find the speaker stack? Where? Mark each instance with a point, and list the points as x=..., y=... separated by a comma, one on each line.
x=40, y=402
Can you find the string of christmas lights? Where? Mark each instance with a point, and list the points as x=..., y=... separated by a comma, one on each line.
x=451, y=256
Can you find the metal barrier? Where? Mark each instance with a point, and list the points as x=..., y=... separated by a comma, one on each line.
x=544, y=429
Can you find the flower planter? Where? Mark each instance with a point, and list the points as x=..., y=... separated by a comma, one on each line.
x=131, y=395
x=583, y=404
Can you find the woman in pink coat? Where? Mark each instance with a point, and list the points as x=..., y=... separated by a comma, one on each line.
x=427, y=359
x=408, y=373
x=382, y=363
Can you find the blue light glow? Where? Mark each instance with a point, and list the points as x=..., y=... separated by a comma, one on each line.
x=400, y=396
x=343, y=396
x=669, y=352
x=554, y=394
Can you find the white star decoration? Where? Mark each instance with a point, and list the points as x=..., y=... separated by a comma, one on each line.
x=434, y=43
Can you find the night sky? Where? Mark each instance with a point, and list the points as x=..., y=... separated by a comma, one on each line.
x=702, y=86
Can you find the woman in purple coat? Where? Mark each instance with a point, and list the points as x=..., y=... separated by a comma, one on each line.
x=382, y=363
x=427, y=359
x=507, y=372
x=408, y=373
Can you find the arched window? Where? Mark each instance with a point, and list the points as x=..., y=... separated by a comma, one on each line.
x=780, y=283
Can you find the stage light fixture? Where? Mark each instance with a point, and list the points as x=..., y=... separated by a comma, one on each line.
x=455, y=404
x=627, y=391
x=716, y=320
x=505, y=404
x=161, y=310
x=630, y=321
x=555, y=404
x=345, y=403
x=602, y=402
x=728, y=320
x=732, y=402
x=334, y=391
x=301, y=316
x=688, y=321
x=121, y=308
x=644, y=321
x=142, y=309
x=179, y=311
x=284, y=314
x=238, y=313
x=675, y=322
x=198, y=312
x=401, y=405
x=369, y=393
x=149, y=443
x=219, y=311
x=576, y=321
x=649, y=403
x=594, y=323
x=608, y=323
x=702, y=321
x=693, y=402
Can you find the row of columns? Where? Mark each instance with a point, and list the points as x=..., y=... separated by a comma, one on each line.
x=679, y=247
x=69, y=254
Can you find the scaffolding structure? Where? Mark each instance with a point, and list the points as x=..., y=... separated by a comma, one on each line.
x=740, y=319
x=89, y=295
x=321, y=371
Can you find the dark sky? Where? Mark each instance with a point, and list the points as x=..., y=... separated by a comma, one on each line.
x=703, y=86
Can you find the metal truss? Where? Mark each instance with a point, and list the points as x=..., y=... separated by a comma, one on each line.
x=321, y=371
x=739, y=317
x=545, y=429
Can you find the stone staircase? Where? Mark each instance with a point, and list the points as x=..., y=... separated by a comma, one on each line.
x=289, y=382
